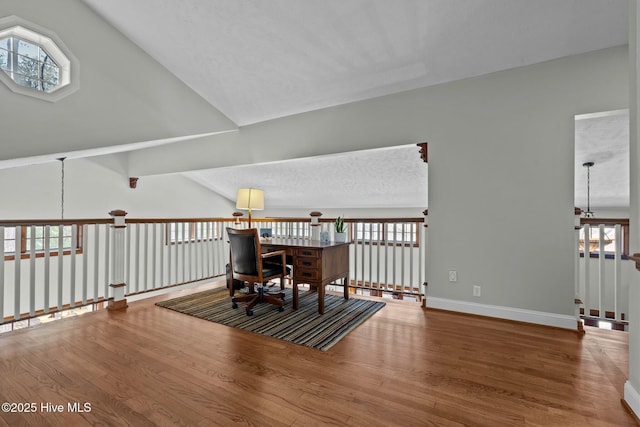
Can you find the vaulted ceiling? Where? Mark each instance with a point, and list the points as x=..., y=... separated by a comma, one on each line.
x=262, y=60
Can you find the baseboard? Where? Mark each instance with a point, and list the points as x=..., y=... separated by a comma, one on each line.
x=508, y=313
x=632, y=399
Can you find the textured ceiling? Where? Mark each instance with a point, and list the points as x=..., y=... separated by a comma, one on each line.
x=604, y=140
x=382, y=178
x=260, y=60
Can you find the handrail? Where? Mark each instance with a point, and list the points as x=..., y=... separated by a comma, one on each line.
x=15, y=222
x=156, y=253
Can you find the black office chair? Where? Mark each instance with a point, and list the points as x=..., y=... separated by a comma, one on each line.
x=249, y=264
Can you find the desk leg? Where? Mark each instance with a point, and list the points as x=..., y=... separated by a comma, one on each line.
x=320, y=298
x=346, y=287
x=295, y=294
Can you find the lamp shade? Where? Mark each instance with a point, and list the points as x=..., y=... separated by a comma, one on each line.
x=250, y=199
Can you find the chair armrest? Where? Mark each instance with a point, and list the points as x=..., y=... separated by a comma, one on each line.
x=282, y=254
x=274, y=253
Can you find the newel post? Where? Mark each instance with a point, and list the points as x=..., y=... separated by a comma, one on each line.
x=425, y=255
x=118, y=301
x=315, y=225
x=577, y=301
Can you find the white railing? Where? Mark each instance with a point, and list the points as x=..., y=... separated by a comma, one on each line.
x=602, y=272
x=387, y=257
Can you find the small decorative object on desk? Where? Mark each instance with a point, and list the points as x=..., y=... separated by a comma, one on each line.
x=324, y=236
x=265, y=234
x=341, y=235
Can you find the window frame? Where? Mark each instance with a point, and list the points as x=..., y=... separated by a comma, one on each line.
x=355, y=233
x=40, y=253
x=192, y=233
x=68, y=80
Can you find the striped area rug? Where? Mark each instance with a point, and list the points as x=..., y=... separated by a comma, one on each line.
x=303, y=326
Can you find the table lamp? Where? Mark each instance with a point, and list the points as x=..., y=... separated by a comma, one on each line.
x=250, y=199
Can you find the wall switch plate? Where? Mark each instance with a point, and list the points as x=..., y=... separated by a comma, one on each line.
x=476, y=291
x=453, y=276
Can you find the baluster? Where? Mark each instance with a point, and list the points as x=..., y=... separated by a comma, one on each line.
x=32, y=271
x=162, y=247
x=601, y=270
x=85, y=262
x=617, y=271
x=403, y=249
x=394, y=249
x=371, y=224
x=170, y=241
x=152, y=257
x=127, y=260
x=587, y=272
x=410, y=240
x=145, y=258
x=72, y=274
x=60, y=265
x=184, y=252
x=96, y=262
x=136, y=265
x=16, y=269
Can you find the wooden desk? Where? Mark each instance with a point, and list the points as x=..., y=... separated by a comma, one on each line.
x=315, y=263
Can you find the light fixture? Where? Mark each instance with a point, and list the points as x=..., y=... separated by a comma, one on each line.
x=250, y=199
x=588, y=213
x=593, y=242
x=61, y=160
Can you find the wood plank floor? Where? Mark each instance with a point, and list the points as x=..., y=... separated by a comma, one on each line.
x=405, y=366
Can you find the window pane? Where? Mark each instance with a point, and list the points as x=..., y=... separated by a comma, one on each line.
x=27, y=49
x=50, y=73
x=27, y=66
x=4, y=58
x=9, y=239
x=39, y=239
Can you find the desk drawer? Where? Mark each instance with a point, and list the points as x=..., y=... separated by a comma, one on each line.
x=302, y=274
x=307, y=263
x=305, y=252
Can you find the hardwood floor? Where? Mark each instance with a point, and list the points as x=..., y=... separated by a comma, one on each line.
x=405, y=366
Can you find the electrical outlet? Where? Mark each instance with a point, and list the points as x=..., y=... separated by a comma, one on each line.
x=476, y=291
x=453, y=276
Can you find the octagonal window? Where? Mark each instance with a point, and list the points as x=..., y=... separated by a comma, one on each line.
x=34, y=61
x=28, y=64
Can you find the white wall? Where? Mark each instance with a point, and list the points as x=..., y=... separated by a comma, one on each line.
x=92, y=191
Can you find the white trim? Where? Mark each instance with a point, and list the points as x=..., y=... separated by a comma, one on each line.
x=508, y=313
x=598, y=115
x=632, y=397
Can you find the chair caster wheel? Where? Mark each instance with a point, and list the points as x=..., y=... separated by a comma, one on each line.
x=249, y=312
x=280, y=309
x=234, y=305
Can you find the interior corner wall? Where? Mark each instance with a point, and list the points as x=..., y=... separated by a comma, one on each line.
x=92, y=191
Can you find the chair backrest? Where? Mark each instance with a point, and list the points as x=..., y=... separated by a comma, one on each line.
x=245, y=247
